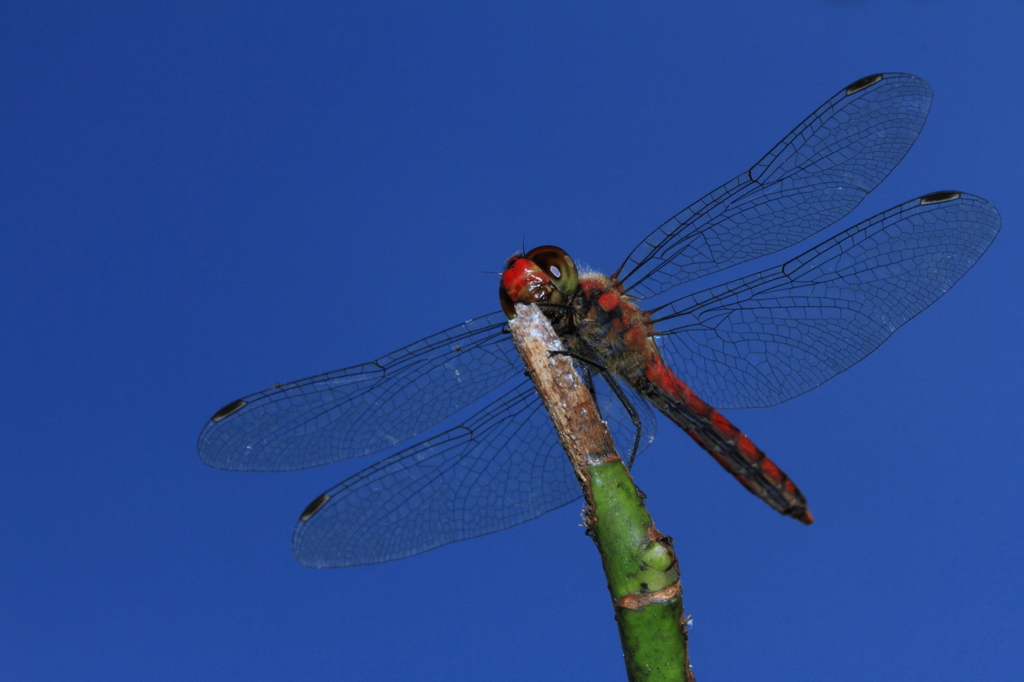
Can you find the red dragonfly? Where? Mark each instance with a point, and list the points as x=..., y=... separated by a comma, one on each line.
x=483, y=455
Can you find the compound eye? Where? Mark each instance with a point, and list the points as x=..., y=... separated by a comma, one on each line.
x=557, y=265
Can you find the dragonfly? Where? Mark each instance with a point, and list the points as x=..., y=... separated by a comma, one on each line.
x=470, y=449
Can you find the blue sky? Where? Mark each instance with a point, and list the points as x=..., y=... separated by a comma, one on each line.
x=200, y=200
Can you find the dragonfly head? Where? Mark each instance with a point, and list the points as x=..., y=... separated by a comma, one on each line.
x=544, y=275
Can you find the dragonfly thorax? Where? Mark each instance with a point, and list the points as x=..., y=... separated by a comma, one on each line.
x=608, y=324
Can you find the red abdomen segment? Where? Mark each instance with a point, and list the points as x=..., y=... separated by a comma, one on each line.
x=718, y=436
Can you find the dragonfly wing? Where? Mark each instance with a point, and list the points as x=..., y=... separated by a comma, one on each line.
x=502, y=467
x=362, y=409
x=766, y=338
x=816, y=175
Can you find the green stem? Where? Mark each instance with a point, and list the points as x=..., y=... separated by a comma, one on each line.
x=643, y=577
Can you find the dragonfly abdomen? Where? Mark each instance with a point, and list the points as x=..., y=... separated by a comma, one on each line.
x=734, y=451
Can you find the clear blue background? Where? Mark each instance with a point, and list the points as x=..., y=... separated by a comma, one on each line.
x=198, y=201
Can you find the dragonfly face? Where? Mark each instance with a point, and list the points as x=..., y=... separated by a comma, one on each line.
x=544, y=275
x=470, y=449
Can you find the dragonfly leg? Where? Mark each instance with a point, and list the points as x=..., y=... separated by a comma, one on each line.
x=634, y=417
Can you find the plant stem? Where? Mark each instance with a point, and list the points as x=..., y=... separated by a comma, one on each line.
x=639, y=561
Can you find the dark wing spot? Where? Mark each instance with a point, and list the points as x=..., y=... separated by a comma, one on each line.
x=865, y=82
x=228, y=410
x=314, y=506
x=939, y=197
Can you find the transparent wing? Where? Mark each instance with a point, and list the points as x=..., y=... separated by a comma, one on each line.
x=812, y=178
x=766, y=338
x=362, y=409
x=502, y=467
